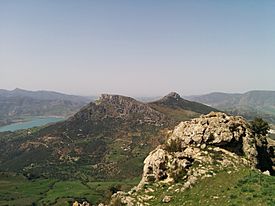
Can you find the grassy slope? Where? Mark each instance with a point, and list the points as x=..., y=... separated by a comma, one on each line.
x=17, y=190
x=242, y=187
x=131, y=147
x=177, y=114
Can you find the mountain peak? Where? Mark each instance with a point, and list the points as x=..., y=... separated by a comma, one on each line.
x=172, y=95
x=18, y=90
x=113, y=97
x=174, y=100
x=122, y=108
x=119, y=100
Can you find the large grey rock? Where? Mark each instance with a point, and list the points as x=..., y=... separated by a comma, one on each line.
x=195, y=149
x=217, y=129
x=198, y=141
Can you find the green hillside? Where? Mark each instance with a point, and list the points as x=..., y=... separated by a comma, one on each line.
x=105, y=141
x=113, y=133
x=242, y=187
x=250, y=104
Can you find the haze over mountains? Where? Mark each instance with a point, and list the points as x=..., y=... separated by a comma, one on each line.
x=249, y=104
x=18, y=103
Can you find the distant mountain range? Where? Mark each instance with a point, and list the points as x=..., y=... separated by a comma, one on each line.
x=18, y=103
x=249, y=104
x=108, y=138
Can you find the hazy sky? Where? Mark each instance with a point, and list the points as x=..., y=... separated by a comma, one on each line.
x=137, y=48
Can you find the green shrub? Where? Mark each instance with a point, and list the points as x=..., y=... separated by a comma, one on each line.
x=173, y=146
x=259, y=126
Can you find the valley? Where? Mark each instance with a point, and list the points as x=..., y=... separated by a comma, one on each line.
x=20, y=105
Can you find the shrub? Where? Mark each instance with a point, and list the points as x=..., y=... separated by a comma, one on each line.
x=259, y=126
x=173, y=146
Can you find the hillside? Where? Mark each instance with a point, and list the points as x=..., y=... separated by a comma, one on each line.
x=114, y=132
x=249, y=104
x=104, y=143
x=216, y=150
x=17, y=104
x=176, y=107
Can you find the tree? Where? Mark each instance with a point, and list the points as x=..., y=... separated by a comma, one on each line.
x=259, y=127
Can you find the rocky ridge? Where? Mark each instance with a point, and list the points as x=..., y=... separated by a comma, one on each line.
x=174, y=100
x=198, y=149
x=120, y=107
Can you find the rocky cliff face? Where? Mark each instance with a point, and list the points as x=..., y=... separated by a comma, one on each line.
x=120, y=107
x=199, y=148
x=198, y=140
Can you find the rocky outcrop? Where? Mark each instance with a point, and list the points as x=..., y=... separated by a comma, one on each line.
x=198, y=141
x=199, y=148
x=120, y=107
x=216, y=129
x=171, y=96
x=174, y=100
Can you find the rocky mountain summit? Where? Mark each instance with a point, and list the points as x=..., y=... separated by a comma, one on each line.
x=178, y=109
x=174, y=100
x=116, y=112
x=196, y=150
x=171, y=95
x=120, y=107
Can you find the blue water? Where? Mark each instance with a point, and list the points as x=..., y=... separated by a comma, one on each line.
x=35, y=122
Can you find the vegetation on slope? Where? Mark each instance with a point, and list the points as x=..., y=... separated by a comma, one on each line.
x=250, y=104
x=241, y=187
x=106, y=139
x=17, y=190
x=207, y=161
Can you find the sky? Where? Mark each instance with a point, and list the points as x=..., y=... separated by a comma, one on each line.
x=137, y=48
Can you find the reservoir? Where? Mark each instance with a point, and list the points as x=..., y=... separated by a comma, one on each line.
x=34, y=122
